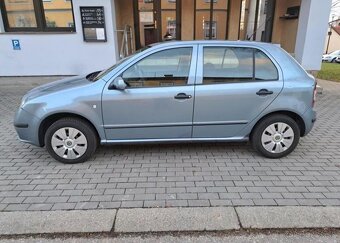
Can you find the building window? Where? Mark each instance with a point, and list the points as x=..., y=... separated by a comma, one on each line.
x=206, y=29
x=37, y=15
x=171, y=28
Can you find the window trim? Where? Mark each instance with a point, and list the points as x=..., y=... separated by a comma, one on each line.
x=39, y=13
x=200, y=64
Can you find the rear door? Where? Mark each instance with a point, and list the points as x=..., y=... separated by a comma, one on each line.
x=234, y=85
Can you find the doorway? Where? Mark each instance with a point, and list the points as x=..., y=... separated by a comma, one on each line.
x=150, y=34
x=155, y=19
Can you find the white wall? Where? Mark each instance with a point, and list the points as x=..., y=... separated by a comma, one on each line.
x=312, y=29
x=59, y=53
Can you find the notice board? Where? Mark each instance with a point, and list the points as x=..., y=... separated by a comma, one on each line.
x=93, y=23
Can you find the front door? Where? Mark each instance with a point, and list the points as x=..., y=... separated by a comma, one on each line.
x=150, y=34
x=158, y=104
x=235, y=84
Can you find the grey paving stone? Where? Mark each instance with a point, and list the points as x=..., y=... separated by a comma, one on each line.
x=175, y=173
x=289, y=217
x=56, y=222
x=175, y=219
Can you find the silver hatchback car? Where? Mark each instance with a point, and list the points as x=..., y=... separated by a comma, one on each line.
x=175, y=92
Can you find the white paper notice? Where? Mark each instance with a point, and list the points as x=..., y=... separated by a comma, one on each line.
x=100, y=33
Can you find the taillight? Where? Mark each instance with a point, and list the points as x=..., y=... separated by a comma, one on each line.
x=314, y=95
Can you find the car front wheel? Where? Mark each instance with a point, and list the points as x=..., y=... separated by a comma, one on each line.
x=276, y=136
x=71, y=140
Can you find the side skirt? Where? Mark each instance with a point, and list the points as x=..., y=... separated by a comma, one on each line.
x=175, y=140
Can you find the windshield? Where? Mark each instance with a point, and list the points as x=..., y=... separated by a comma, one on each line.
x=104, y=72
x=335, y=53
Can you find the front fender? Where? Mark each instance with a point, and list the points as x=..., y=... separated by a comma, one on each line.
x=83, y=101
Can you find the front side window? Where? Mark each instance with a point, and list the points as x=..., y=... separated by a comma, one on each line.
x=236, y=64
x=37, y=15
x=165, y=68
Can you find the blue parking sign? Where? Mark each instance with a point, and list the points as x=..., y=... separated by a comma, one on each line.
x=16, y=45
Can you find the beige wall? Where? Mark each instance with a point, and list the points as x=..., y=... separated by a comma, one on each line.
x=334, y=42
x=285, y=30
x=234, y=24
x=187, y=19
x=124, y=15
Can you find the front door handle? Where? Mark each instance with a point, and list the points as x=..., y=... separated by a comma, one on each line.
x=264, y=92
x=182, y=96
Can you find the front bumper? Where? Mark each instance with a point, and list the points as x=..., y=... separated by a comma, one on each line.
x=328, y=59
x=27, y=127
x=309, y=118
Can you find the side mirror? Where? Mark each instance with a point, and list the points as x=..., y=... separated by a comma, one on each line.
x=118, y=84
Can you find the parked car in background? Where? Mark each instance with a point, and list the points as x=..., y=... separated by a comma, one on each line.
x=331, y=57
x=176, y=92
x=337, y=60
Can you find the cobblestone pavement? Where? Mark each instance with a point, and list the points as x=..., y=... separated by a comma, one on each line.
x=176, y=175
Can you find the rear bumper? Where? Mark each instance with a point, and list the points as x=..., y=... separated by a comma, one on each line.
x=309, y=118
x=27, y=127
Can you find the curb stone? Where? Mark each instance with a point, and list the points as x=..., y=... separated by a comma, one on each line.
x=176, y=219
x=141, y=220
x=289, y=217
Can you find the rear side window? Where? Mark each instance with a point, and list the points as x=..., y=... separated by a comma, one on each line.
x=236, y=64
x=264, y=67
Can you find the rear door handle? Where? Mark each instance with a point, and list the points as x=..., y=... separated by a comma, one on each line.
x=264, y=92
x=182, y=96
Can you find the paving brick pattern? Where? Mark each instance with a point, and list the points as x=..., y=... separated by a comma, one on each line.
x=176, y=175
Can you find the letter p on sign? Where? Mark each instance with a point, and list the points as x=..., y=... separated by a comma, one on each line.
x=16, y=45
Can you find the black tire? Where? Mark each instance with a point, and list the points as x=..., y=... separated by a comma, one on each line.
x=81, y=125
x=256, y=136
x=333, y=60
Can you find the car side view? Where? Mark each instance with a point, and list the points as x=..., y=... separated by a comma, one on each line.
x=175, y=92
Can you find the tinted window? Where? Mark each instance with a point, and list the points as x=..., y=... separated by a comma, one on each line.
x=164, y=68
x=264, y=67
x=236, y=64
x=223, y=65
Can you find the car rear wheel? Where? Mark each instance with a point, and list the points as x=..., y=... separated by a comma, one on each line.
x=276, y=136
x=71, y=140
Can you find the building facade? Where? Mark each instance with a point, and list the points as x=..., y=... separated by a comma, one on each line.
x=332, y=42
x=70, y=37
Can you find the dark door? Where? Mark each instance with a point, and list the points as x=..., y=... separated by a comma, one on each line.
x=150, y=35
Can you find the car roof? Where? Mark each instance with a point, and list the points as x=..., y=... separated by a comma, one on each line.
x=218, y=42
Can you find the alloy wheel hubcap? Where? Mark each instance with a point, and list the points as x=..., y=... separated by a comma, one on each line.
x=69, y=143
x=277, y=137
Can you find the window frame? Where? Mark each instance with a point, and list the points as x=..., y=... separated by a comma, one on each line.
x=39, y=13
x=200, y=60
x=188, y=81
x=117, y=72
